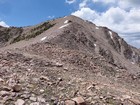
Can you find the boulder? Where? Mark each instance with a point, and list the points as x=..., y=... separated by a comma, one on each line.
x=17, y=88
x=19, y=102
x=79, y=101
x=70, y=102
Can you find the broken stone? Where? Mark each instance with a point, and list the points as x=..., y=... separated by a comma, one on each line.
x=53, y=98
x=40, y=99
x=79, y=101
x=137, y=102
x=1, y=80
x=65, y=68
x=25, y=96
x=93, y=102
x=44, y=78
x=19, y=102
x=58, y=64
x=96, y=97
x=90, y=87
x=33, y=99
x=5, y=88
x=35, y=103
x=89, y=99
x=4, y=93
x=126, y=97
x=101, y=97
x=17, y=88
x=13, y=94
x=70, y=102
x=97, y=87
x=60, y=79
x=41, y=90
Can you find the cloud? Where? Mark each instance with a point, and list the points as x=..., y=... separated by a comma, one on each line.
x=83, y=3
x=70, y=1
x=50, y=17
x=2, y=23
x=86, y=13
x=104, y=1
x=129, y=3
x=122, y=17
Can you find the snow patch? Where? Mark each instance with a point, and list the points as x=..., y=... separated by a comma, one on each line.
x=43, y=38
x=119, y=40
x=95, y=45
x=63, y=26
x=66, y=22
x=65, y=16
x=111, y=34
x=133, y=63
x=97, y=28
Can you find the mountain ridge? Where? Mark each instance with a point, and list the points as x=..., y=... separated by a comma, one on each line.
x=73, y=50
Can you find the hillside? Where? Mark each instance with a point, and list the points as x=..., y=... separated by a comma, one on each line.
x=56, y=61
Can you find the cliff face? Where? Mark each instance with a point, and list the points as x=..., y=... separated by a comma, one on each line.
x=65, y=58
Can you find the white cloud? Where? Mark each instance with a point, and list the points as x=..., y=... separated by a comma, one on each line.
x=104, y=1
x=129, y=3
x=50, y=17
x=2, y=23
x=120, y=16
x=83, y=3
x=86, y=13
x=136, y=43
x=122, y=3
x=70, y=1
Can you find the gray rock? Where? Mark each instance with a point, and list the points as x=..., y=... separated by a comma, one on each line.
x=58, y=64
x=25, y=96
x=1, y=80
x=17, y=88
x=5, y=88
x=19, y=102
x=33, y=99
x=70, y=102
x=44, y=78
x=40, y=99
x=35, y=103
x=4, y=93
x=79, y=100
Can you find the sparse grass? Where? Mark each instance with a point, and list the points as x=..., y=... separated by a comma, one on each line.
x=7, y=33
x=34, y=32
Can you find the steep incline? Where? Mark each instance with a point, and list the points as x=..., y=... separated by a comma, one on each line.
x=65, y=58
x=77, y=34
x=7, y=34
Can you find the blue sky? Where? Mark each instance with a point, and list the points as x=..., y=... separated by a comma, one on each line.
x=30, y=12
x=122, y=16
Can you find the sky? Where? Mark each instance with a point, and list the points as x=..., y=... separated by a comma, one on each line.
x=122, y=16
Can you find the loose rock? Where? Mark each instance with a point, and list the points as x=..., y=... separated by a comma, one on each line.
x=79, y=101
x=19, y=102
x=17, y=88
x=33, y=99
x=35, y=103
x=1, y=80
x=70, y=102
x=4, y=93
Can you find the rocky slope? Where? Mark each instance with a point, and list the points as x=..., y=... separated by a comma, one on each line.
x=56, y=61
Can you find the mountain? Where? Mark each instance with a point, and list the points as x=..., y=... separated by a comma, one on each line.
x=58, y=60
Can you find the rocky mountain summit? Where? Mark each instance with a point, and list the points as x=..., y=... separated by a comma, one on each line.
x=67, y=61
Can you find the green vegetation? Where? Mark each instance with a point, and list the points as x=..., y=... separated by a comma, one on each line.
x=7, y=33
x=34, y=32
